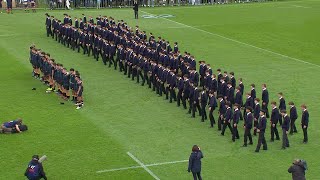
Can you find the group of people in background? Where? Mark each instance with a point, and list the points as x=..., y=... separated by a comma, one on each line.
x=65, y=83
x=154, y=62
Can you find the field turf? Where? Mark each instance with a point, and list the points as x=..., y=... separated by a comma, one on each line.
x=275, y=43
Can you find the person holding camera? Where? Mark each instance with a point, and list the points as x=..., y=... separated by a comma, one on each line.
x=195, y=162
x=35, y=170
x=297, y=169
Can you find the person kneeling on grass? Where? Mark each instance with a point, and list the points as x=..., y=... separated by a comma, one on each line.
x=14, y=126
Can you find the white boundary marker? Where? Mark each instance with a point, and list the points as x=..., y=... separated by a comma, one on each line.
x=143, y=166
x=239, y=42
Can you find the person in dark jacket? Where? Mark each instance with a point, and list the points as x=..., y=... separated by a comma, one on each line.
x=195, y=162
x=293, y=117
x=248, y=126
x=212, y=106
x=305, y=122
x=35, y=170
x=297, y=169
x=285, y=129
x=135, y=8
x=261, y=130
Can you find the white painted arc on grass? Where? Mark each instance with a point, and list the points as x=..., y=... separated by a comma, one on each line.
x=143, y=166
x=239, y=42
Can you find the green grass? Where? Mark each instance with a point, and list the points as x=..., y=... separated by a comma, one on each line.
x=120, y=116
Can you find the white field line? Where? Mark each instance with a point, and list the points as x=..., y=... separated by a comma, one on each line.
x=119, y=169
x=164, y=163
x=301, y=6
x=239, y=42
x=7, y=35
x=136, y=167
x=143, y=166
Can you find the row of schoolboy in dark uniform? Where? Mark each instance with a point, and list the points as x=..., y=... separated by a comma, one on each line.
x=164, y=69
x=55, y=75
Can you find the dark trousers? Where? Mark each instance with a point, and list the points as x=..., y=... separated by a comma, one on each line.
x=145, y=78
x=211, y=117
x=261, y=140
x=136, y=15
x=225, y=124
x=247, y=134
x=293, y=127
x=190, y=105
x=255, y=124
x=235, y=133
x=184, y=100
x=220, y=121
x=203, y=111
x=274, y=131
x=305, y=134
x=121, y=67
x=285, y=140
x=195, y=175
x=49, y=32
x=179, y=97
x=139, y=75
x=196, y=106
x=265, y=107
x=172, y=94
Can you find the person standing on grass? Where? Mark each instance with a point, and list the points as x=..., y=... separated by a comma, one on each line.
x=305, y=122
x=135, y=8
x=261, y=130
x=285, y=129
x=265, y=99
x=212, y=106
x=195, y=162
x=274, y=121
x=293, y=118
x=9, y=6
x=247, y=127
x=98, y=4
x=256, y=115
x=282, y=105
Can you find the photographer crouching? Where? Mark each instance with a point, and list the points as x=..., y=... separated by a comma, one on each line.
x=35, y=170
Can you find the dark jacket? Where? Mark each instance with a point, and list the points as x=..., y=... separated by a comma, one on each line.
x=195, y=162
x=35, y=171
x=297, y=171
x=135, y=7
x=305, y=118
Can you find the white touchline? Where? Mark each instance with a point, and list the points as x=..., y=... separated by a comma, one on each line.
x=147, y=165
x=239, y=42
x=143, y=166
